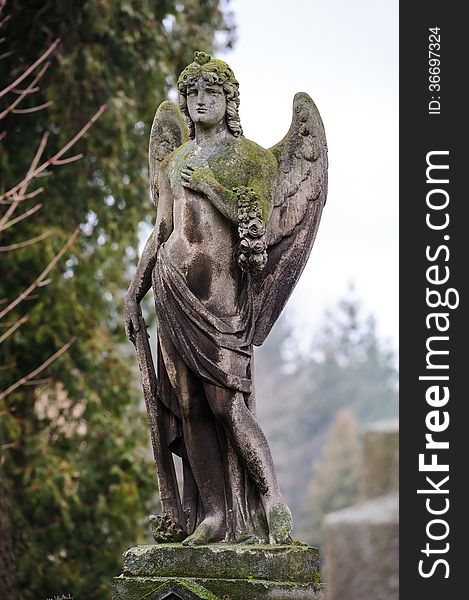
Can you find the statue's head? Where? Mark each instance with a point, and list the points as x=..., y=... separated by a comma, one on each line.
x=213, y=74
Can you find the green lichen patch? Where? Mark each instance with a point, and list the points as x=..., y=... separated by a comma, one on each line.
x=240, y=162
x=233, y=162
x=316, y=577
x=226, y=561
x=142, y=588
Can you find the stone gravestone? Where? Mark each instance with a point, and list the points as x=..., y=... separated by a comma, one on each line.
x=234, y=228
x=362, y=541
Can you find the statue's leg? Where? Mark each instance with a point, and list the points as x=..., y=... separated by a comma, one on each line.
x=202, y=446
x=249, y=441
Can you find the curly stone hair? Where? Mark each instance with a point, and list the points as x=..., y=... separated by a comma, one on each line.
x=213, y=71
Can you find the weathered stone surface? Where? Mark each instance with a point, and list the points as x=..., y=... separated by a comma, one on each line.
x=160, y=589
x=362, y=551
x=362, y=541
x=219, y=572
x=380, y=466
x=295, y=563
x=235, y=226
x=154, y=588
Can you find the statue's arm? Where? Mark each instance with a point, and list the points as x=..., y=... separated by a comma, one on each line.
x=141, y=281
x=202, y=180
x=224, y=200
x=263, y=187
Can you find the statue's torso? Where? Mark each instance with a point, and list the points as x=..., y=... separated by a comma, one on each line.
x=203, y=242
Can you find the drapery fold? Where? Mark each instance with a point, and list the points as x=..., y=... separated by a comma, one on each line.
x=217, y=350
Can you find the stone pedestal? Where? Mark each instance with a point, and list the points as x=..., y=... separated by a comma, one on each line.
x=219, y=572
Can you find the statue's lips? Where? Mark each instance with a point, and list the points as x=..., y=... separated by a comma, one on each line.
x=201, y=111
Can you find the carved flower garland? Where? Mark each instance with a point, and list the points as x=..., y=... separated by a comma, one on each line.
x=252, y=248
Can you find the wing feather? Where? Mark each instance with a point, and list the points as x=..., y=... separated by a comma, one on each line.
x=302, y=160
x=298, y=202
x=168, y=132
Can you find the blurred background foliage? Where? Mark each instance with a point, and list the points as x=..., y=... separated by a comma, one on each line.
x=314, y=406
x=76, y=474
x=76, y=469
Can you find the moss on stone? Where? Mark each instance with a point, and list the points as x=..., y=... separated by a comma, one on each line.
x=234, y=162
x=240, y=162
x=226, y=561
x=316, y=577
x=144, y=588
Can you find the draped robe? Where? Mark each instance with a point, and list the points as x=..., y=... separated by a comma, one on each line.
x=217, y=350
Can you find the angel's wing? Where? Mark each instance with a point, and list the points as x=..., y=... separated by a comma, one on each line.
x=168, y=132
x=298, y=202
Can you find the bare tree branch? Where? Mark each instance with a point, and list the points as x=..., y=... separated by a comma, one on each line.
x=20, y=91
x=39, y=381
x=23, y=185
x=80, y=134
x=30, y=69
x=32, y=194
x=9, y=445
x=58, y=155
x=44, y=283
x=13, y=328
x=65, y=161
x=40, y=277
x=5, y=19
x=26, y=243
x=24, y=215
x=38, y=370
x=25, y=111
x=26, y=92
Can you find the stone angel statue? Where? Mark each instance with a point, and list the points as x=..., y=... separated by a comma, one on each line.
x=234, y=228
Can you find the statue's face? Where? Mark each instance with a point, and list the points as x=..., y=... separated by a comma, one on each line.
x=206, y=103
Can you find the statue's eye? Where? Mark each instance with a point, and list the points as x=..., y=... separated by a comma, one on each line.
x=192, y=92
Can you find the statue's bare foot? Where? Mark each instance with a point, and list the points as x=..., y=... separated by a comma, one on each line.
x=251, y=538
x=212, y=529
x=280, y=521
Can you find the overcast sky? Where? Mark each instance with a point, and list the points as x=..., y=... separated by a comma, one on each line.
x=344, y=54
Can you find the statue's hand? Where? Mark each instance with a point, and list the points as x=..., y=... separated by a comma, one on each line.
x=198, y=178
x=131, y=317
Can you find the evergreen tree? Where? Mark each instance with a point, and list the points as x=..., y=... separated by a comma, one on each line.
x=75, y=456
x=336, y=472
